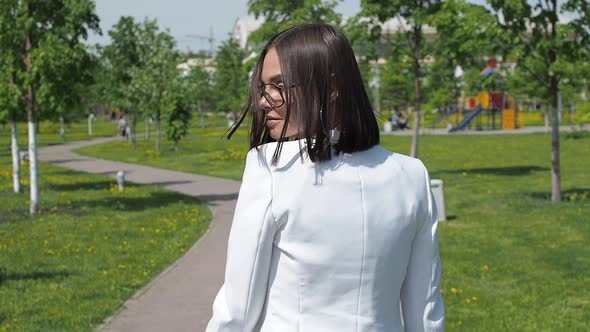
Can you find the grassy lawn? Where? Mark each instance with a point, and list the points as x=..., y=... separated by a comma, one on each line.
x=49, y=132
x=513, y=261
x=90, y=248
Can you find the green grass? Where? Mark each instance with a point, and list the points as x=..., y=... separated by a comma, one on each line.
x=512, y=260
x=89, y=249
x=49, y=132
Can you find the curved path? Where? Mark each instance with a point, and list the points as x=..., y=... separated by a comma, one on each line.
x=180, y=298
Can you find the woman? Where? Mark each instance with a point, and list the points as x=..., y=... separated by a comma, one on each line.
x=331, y=231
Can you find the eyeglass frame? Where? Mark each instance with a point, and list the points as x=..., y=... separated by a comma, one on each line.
x=280, y=88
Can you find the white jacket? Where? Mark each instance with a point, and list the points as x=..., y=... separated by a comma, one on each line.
x=332, y=246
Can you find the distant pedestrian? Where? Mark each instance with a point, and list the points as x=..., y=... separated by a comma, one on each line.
x=123, y=126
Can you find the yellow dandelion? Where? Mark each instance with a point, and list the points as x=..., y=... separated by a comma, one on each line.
x=486, y=268
x=467, y=301
x=474, y=298
x=454, y=290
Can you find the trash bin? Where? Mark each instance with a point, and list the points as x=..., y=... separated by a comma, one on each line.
x=438, y=190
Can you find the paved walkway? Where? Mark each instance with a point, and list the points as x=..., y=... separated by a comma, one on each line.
x=180, y=298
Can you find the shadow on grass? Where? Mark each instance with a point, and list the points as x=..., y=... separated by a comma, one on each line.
x=92, y=185
x=571, y=195
x=451, y=218
x=120, y=202
x=503, y=171
x=19, y=276
x=13, y=214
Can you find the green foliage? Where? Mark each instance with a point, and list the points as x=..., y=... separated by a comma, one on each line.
x=282, y=14
x=583, y=112
x=60, y=62
x=231, y=78
x=120, y=57
x=199, y=86
x=397, y=80
x=178, y=115
x=548, y=46
x=466, y=34
x=440, y=85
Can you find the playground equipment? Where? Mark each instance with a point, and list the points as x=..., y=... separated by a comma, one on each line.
x=500, y=110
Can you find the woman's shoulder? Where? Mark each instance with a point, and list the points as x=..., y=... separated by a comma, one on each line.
x=294, y=152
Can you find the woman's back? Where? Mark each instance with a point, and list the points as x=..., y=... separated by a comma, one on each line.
x=342, y=233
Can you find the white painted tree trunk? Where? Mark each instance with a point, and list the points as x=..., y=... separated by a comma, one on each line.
x=90, y=117
x=15, y=158
x=62, y=131
x=158, y=135
x=201, y=114
x=147, y=128
x=33, y=169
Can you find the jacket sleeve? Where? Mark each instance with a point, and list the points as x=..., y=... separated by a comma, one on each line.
x=241, y=299
x=421, y=300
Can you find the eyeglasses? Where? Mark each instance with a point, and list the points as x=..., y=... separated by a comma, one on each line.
x=273, y=93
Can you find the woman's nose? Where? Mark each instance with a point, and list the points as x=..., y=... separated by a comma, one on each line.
x=263, y=103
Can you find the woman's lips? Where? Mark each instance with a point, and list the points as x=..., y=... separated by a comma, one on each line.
x=272, y=122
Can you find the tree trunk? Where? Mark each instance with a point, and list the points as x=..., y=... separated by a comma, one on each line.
x=33, y=165
x=148, y=128
x=158, y=134
x=132, y=133
x=90, y=117
x=15, y=156
x=554, y=90
x=62, y=132
x=33, y=171
x=555, y=164
x=201, y=114
x=414, y=151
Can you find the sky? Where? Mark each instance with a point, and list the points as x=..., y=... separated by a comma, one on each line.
x=191, y=17
x=186, y=17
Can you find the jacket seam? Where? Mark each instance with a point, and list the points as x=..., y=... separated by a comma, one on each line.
x=358, y=307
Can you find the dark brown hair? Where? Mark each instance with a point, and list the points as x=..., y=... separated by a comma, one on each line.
x=324, y=85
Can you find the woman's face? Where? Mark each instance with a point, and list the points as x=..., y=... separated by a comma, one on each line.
x=272, y=84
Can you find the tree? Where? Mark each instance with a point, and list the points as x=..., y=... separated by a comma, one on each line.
x=231, y=78
x=11, y=106
x=28, y=29
x=466, y=35
x=11, y=98
x=396, y=78
x=65, y=72
x=178, y=113
x=121, y=58
x=151, y=80
x=549, y=47
x=282, y=14
x=200, y=90
x=416, y=14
